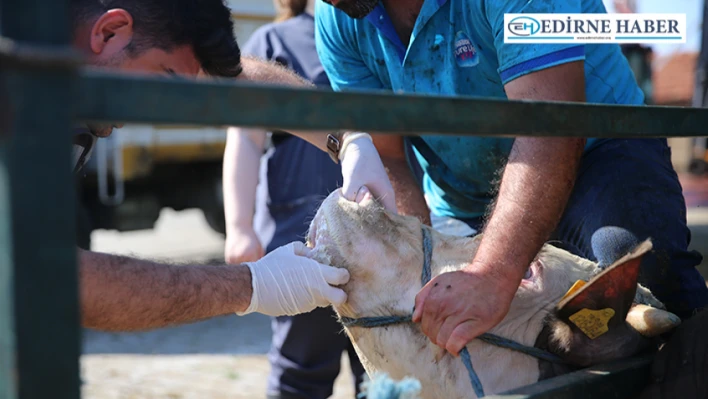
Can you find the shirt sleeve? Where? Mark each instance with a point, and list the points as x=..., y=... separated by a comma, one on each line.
x=259, y=44
x=518, y=59
x=335, y=42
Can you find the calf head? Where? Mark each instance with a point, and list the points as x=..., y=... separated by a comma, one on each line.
x=606, y=316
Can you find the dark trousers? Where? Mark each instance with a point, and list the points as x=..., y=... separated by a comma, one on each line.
x=306, y=354
x=627, y=191
x=680, y=367
x=306, y=349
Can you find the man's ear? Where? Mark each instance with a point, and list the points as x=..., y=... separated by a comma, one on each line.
x=591, y=323
x=111, y=32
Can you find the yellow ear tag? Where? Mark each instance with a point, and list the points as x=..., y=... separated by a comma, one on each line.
x=593, y=322
x=578, y=285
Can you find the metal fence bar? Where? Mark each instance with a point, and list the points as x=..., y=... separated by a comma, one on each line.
x=8, y=387
x=37, y=210
x=105, y=97
x=621, y=379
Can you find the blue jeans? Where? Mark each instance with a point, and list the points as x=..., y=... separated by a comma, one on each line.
x=627, y=191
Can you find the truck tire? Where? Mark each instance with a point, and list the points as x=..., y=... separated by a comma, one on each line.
x=83, y=227
x=215, y=219
x=213, y=208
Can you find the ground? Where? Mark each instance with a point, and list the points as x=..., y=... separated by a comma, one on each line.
x=220, y=358
x=181, y=377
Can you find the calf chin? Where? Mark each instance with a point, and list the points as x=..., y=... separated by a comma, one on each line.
x=381, y=251
x=581, y=351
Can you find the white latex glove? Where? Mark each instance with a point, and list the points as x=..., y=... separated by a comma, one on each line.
x=362, y=166
x=286, y=282
x=242, y=245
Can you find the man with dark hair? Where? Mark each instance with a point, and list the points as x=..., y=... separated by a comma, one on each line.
x=188, y=38
x=204, y=27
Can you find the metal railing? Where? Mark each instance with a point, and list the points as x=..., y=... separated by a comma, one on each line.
x=44, y=89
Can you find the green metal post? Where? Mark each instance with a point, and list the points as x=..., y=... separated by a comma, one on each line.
x=37, y=244
x=152, y=100
x=7, y=337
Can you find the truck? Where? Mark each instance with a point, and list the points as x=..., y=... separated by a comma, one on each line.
x=141, y=169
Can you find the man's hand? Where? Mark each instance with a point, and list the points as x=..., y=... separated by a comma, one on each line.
x=242, y=245
x=461, y=304
x=286, y=282
x=536, y=184
x=362, y=166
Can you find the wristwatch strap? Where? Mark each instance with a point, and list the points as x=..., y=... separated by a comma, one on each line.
x=334, y=145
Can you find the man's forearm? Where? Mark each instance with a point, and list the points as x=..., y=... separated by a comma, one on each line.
x=537, y=181
x=263, y=71
x=124, y=294
x=258, y=70
x=409, y=197
x=534, y=190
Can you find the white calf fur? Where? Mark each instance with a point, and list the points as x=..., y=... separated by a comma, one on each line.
x=383, y=253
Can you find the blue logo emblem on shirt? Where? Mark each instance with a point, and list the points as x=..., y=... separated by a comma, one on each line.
x=465, y=51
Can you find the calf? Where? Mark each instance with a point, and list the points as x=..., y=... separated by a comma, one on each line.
x=384, y=255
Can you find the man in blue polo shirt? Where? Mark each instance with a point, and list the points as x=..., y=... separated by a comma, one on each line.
x=598, y=197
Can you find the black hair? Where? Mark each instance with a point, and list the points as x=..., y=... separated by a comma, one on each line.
x=205, y=25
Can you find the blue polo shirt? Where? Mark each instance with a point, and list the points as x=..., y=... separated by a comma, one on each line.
x=457, y=48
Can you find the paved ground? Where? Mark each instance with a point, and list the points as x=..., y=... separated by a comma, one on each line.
x=223, y=357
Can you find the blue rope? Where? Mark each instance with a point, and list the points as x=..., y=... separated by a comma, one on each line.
x=474, y=378
x=425, y=275
x=382, y=321
x=370, y=322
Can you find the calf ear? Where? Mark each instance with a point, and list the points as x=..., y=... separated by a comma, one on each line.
x=613, y=288
x=591, y=324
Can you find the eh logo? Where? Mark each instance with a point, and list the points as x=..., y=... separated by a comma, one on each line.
x=524, y=26
x=465, y=51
